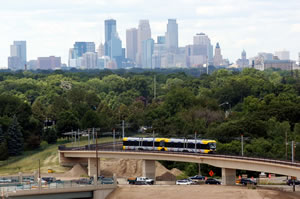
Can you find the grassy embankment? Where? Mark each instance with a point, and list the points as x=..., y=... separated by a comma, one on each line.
x=28, y=162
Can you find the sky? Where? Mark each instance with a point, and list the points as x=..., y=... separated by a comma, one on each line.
x=51, y=27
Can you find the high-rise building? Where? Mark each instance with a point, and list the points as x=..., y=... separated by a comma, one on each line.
x=89, y=60
x=113, y=44
x=144, y=33
x=299, y=58
x=218, y=58
x=161, y=39
x=101, y=50
x=131, y=43
x=283, y=55
x=18, y=56
x=110, y=31
x=48, y=63
x=243, y=62
x=200, y=53
x=148, y=47
x=82, y=47
x=172, y=35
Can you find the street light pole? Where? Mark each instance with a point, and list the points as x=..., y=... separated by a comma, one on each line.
x=242, y=142
x=97, y=164
x=39, y=169
x=195, y=141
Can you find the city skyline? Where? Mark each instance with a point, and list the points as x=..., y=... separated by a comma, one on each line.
x=256, y=26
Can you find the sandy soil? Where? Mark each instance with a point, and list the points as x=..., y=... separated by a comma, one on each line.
x=196, y=192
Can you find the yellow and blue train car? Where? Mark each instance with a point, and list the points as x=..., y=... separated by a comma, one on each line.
x=169, y=144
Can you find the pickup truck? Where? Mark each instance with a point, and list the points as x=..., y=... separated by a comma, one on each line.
x=138, y=180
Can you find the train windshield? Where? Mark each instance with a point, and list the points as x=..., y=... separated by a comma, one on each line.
x=212, y=145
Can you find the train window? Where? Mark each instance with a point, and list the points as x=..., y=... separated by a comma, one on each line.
x=191, y=145
x=147, y=143
x=169, y=144
x=178, y=145
x=125, y=143
x=162, y=143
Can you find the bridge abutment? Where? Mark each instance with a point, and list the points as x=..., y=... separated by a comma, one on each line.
x=228, y=176
x=149, y=169
x=92, y=166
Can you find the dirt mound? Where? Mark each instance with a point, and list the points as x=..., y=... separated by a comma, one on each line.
x=160, y=169
x=167, y=176
x=76, y=171
x=122, y=167
x=176, y=172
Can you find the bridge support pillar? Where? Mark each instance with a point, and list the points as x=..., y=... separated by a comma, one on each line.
x=92, y=166
x=228, y=176
x=149, y=169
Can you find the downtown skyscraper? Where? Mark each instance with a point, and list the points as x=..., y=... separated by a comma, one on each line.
x=131, y=43
x=144, y=33
x=113, y=44
x=172, y=35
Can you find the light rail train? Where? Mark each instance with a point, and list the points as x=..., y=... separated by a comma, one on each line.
x=169, y=144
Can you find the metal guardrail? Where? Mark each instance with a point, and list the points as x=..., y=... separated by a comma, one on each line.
x=109, y=147
x=46, y=186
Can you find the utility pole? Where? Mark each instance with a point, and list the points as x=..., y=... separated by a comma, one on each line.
x=39, y=169
x=123, y=129
x=114, y=138
x=154, y=87
x=153, y=139
x=293, y=151
x=195, y=141
x=97, y=162
x=242, y=142
x=286, y=146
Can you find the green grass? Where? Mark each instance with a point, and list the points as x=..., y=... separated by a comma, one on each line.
x=28, y=162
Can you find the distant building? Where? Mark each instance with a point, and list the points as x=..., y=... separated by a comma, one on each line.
x=32, y=64
x=18, y=56
x=131, y=43
x=266, y=56
x=82, y=47
x=218, y=58
x=161, y=40
x=48, y=63
x=283, y=55
x=113, y=44
x=148, y=47
x=89, y=60
x=243, y=62
x=101, y=50
x=144, y=33
x=172, y=36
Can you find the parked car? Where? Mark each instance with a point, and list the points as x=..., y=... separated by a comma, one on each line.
x=49, y=179
x=245, y=181
x=212, y=181
x=290, y=182
x=5, y=180
x=107, y=181
x=184, y=182
x=82, y=181
x=141, y=183
x=196, y=177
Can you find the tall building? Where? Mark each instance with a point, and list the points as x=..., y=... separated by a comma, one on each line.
x=131, y=43
x=89, y=60
x=18, y=56
x=299, y=58
x=113, y=44
x=243, y=62
x=200, y=53
x=48, y=63
x=218, y=58
x=110, y=31
x=161, y=39
x=172, y=35
x=283, y=55
x=101, y=50
x=148, y=47
x=144, y=33
x=82, y=47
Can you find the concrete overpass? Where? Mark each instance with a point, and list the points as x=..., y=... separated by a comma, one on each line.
x=229, y=164
x=80, y=192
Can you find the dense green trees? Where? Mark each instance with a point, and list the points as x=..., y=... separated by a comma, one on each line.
x=263, y=106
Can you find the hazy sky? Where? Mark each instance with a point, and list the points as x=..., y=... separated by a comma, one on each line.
x=50, y=27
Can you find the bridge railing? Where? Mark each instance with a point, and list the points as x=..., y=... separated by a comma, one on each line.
x=8, y=188
x=117, y=147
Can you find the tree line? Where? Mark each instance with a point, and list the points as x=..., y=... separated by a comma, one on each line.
x=264, y=107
